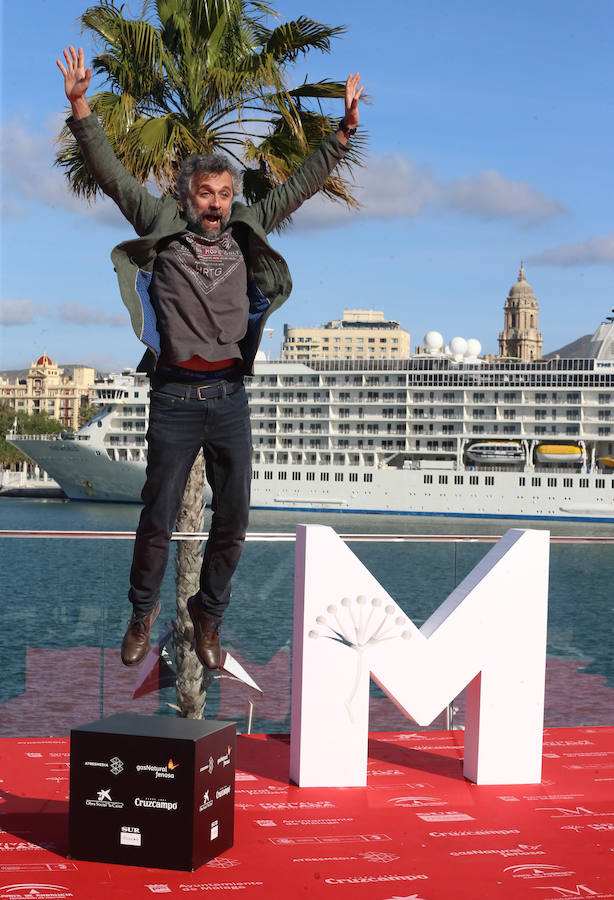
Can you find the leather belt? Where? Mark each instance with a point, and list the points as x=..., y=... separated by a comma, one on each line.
x=198, y=392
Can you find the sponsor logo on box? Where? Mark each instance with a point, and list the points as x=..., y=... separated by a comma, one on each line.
x=165, y=771
x=156, y=803
x=114, y=765
x=104, y=800
x=130, y=836
x=206, y=802
x=225, y=760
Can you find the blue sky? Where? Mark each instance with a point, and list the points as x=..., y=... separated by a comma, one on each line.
x=490, y=142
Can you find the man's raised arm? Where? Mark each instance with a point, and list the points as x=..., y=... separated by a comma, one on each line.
x=310, y=177
x=76, y=81
x=136, y=203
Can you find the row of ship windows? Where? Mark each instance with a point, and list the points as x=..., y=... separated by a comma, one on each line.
x=276, y=396
x=536, y=481
x=310, y=476
x=489, y=480
x=337, y=340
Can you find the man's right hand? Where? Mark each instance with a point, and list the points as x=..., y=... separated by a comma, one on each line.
x=76, y=81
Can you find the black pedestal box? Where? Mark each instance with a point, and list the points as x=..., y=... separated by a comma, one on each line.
x=152, y=791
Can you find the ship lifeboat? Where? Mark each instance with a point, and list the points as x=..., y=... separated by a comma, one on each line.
x=607, y=461
x=563, y=454
x=496, y=452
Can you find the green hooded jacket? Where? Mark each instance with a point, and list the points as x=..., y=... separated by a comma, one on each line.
x=156, y=218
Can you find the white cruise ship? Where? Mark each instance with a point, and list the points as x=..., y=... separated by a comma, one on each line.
x=428, y=435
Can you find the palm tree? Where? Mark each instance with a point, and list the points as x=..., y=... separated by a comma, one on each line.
x=194, y=76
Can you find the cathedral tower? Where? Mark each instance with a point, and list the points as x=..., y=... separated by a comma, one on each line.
x=520, y=338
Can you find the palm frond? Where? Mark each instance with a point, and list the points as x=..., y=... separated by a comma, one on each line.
x=141, y=38
x=288, y=40
x=70, y=160
x=278, y=155
x=117, y=112
x=156, y=147
x=134, y=58
x=321, y=90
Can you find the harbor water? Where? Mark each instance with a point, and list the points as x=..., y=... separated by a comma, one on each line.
x=65, y=610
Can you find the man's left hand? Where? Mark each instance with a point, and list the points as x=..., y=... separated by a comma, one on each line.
x=353, y=91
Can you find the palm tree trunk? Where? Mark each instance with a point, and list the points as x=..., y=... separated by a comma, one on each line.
x=190, y=685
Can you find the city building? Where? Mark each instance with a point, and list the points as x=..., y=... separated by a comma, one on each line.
x=360, y=334
x=520, y=338
x=48, y=388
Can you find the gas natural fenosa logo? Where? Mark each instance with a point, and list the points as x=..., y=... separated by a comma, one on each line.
x=158, y=771
x=226, y=759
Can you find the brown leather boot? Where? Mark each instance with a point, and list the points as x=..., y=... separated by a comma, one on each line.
x=206, y=636
x=136, y=639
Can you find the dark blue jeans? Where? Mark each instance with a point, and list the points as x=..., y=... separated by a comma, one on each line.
x=177, y=430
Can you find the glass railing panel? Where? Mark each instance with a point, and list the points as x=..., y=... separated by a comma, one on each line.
x=52, y=634
x=580, y=663
x=65, y=612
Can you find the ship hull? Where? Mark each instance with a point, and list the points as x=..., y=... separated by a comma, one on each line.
x=420, y=492
x=85, y=472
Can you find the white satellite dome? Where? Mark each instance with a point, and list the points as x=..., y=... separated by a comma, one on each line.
x=458, y=347
x=433, y=341
x=473, y=349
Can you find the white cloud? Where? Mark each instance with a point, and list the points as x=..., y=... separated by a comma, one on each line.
x=598, y=250
x=30, y=177
x=26, y=312
x=391, y=187
x=490, y=195
x=17, y=312
x=103, y=362
x=388, y=187
x=77, y=314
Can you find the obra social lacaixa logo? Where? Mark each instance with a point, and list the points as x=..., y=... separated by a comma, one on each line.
x=348, y=629
x=104, y=799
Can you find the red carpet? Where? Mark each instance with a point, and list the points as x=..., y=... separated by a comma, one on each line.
x=419, y=831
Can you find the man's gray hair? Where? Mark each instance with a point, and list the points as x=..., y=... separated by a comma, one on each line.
x=205, y=164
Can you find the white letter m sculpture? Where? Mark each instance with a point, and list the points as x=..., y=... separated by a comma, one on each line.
x=488, y=636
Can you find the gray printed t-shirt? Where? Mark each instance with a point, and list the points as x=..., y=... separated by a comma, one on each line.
x=199, y=291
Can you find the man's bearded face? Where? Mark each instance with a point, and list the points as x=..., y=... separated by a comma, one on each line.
x=209, y=202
